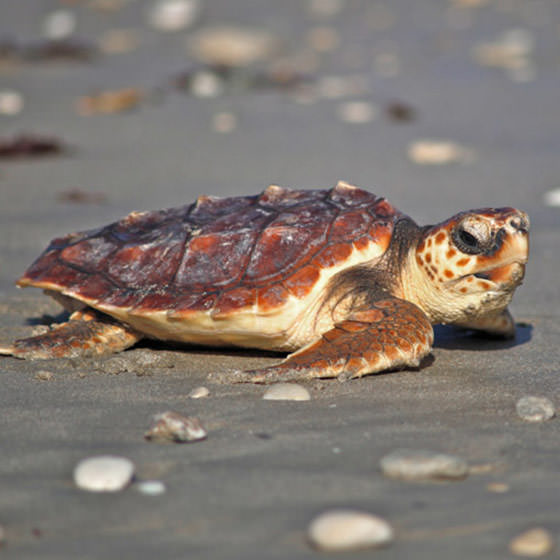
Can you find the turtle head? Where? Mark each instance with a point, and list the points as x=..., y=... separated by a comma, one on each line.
x=473, y=262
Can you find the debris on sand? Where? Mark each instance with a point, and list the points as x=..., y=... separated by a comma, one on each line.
x=30, y=146
x=171, y=426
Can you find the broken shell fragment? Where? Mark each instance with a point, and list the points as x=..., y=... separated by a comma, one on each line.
x=108, y=102
x=171, y=426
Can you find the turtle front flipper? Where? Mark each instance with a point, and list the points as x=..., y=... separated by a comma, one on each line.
x=85, y=334
x=391, y=334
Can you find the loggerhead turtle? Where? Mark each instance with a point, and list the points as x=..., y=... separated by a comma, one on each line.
x=339, y=277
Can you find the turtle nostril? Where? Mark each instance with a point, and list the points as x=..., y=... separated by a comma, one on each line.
x=519, y=223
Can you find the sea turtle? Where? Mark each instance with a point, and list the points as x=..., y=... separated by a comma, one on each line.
x=339, y=277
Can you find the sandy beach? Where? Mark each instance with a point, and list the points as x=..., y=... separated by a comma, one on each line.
x=440, y=106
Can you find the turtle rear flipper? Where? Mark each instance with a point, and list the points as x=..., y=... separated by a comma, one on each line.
x=85, y=334
x=392, y=334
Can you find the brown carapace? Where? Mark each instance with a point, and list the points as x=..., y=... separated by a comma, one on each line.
x=339, y=277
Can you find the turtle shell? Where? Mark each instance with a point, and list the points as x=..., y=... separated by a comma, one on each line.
x=218, y=256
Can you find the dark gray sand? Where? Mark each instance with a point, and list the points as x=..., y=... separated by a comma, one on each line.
x=268, y=467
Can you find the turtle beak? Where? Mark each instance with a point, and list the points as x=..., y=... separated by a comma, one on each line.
x=517, y=238
x=513, y=253
x=519, y=222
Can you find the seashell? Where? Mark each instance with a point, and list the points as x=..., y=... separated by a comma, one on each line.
x=171, y=426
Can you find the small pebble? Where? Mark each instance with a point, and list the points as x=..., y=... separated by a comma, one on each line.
x=151, y=487
x=511, y=51
x=356, y=112
x=497, y=487
x=199, y=393
x=535, y=409
x=419, y=464
x=552, y=198
x=43, y=375
x=59, y=24
x=286, y=392
x=118, y=41
x=336, y=87
x=438, y=152
x=171, y=426
x=231, y=46
x=174, y=15
x=323, y=39
x=105, y=473
x=532, y=543
x=11, y=102
x=224, y=122
x=400, y=112
x=206, y=84
x=341, y=529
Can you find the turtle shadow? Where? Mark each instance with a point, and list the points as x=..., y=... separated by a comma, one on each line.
x=47, y=319
x=453, y=338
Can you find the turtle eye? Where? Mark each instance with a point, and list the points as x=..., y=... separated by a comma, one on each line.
x=468, y=240
x=470, y=237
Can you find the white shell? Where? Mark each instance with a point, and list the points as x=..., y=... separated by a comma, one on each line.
x=356, y=112
x=199, y=393
x=438, y=152
x=151, y=487
x=532, y=543
x=59, y=24
x=535, y=409
x=105, y=473
x=174, y=15
x=286, y=392
x=11, y=102
x=342, y=529
x=420, y=464
x=552, y=198
x=232, y=46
